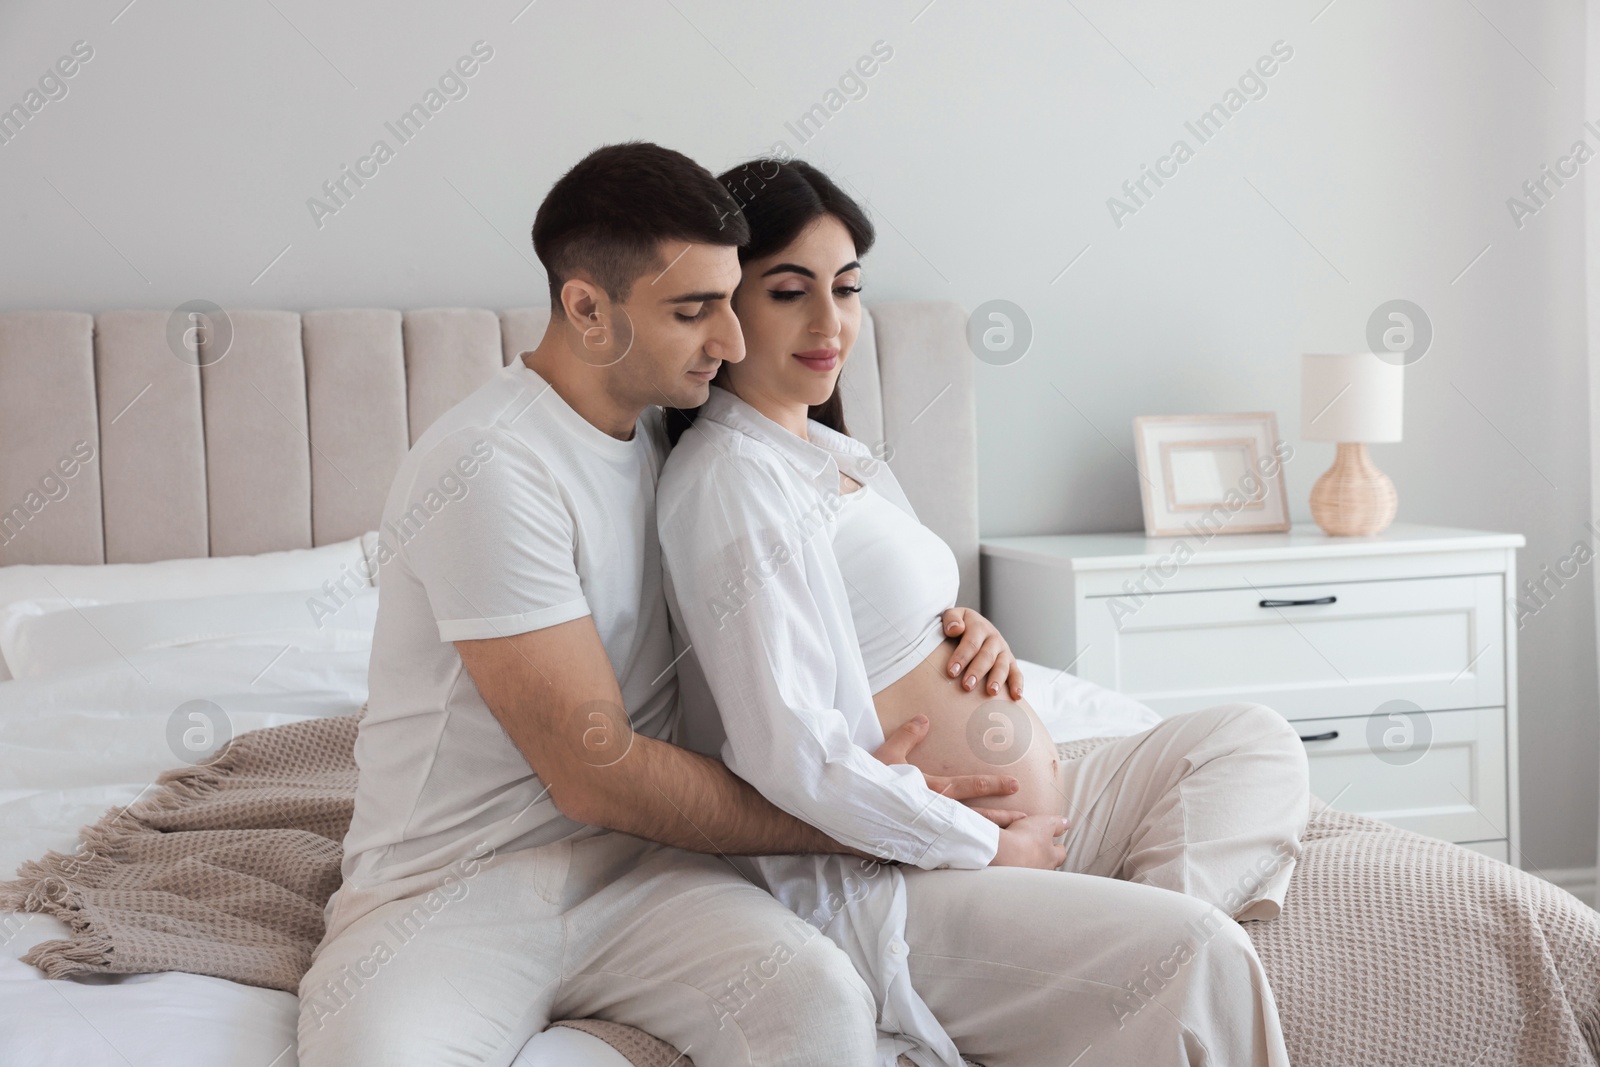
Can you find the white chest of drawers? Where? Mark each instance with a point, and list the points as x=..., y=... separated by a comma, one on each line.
x=1394, y=656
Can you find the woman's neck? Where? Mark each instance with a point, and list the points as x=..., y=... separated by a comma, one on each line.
x=789, y=414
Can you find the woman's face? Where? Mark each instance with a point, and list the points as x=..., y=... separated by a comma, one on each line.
x=800, y=311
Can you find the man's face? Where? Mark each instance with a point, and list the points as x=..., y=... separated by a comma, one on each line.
x=676, y=327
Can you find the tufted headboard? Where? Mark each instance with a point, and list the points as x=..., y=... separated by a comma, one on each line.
x=291, y=439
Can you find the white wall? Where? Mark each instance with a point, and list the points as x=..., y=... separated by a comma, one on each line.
x=1376, y=166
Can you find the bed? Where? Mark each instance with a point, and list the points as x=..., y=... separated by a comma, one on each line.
x=248, y=471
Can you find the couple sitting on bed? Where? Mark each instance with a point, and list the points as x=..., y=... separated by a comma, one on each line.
x=872, y=867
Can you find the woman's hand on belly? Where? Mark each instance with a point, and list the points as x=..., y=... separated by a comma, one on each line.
x=982, y=652
x=1031, y=842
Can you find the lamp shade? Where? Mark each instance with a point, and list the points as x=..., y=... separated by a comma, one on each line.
x=1350, y=396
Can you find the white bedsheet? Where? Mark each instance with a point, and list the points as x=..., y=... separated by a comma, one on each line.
x=79, y=742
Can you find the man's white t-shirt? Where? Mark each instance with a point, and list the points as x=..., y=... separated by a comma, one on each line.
x=511, y=513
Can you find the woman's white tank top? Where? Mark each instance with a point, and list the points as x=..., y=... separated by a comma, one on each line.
x=900, y=577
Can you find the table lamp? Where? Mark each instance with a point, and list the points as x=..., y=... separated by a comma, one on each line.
x=1353, y=398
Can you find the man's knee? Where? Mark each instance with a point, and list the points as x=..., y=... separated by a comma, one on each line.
x=813, y=979
x=339, y=1020
x=338, y=1031
x=392, y=1007
x=375, y=1032
x=815, y=1004
x=824, y=974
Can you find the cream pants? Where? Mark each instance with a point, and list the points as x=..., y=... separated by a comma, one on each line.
x=1120, y=957
x=1130, y=953
x=611, y=927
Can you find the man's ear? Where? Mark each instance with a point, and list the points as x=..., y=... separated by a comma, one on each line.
x=582, y=301
x=600, y=330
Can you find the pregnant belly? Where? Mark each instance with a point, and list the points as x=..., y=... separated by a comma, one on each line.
x=974, y=733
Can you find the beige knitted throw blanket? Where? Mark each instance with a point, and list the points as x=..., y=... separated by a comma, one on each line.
x=1392, y=948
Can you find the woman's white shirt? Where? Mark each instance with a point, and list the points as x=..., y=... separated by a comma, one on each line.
x=771, y=678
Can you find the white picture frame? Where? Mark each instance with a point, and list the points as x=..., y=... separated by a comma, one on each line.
x=1211, y=474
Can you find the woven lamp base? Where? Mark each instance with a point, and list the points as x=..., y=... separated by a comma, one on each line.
x=1353, y=498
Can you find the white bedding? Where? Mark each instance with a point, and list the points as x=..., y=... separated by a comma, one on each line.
x=75, y=743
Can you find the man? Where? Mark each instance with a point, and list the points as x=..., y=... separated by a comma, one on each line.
x=525, y=845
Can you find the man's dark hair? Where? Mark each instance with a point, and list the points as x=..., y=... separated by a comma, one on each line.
x=608, y=214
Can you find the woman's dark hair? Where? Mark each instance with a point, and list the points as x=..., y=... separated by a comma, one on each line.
x=779, y=199
x=609, y=214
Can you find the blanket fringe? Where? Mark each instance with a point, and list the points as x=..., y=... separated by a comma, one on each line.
x=39, y=884
x=100, y=852
x=1589, y=1026
x=70, y=887
x=45, y=890
x=45, y=885
x=177, y=786
x=106, y=838
x=86, y=951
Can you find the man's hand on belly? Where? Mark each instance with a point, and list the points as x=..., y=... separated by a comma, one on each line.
x=896, y=748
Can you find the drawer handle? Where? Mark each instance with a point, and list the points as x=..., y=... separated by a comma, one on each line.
x=1329, y=736
x=1298, y=603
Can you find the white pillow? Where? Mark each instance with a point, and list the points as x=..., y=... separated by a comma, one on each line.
x=1074, y=707
x=344, y=563
x=39, y=637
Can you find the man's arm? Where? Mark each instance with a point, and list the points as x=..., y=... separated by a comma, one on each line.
x=554, y=692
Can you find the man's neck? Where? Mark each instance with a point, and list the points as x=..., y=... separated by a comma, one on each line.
x=583, y=387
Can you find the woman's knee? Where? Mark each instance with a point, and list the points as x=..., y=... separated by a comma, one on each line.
x=1259, y=727
x=1264, y=750
x=1208, y=980
x=1232, y=952
x=1195, y=933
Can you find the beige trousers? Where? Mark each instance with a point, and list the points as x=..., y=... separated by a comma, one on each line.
x=1130, y=953
x=611, y=926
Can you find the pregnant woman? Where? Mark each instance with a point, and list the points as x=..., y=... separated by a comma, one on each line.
x=809, y=600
